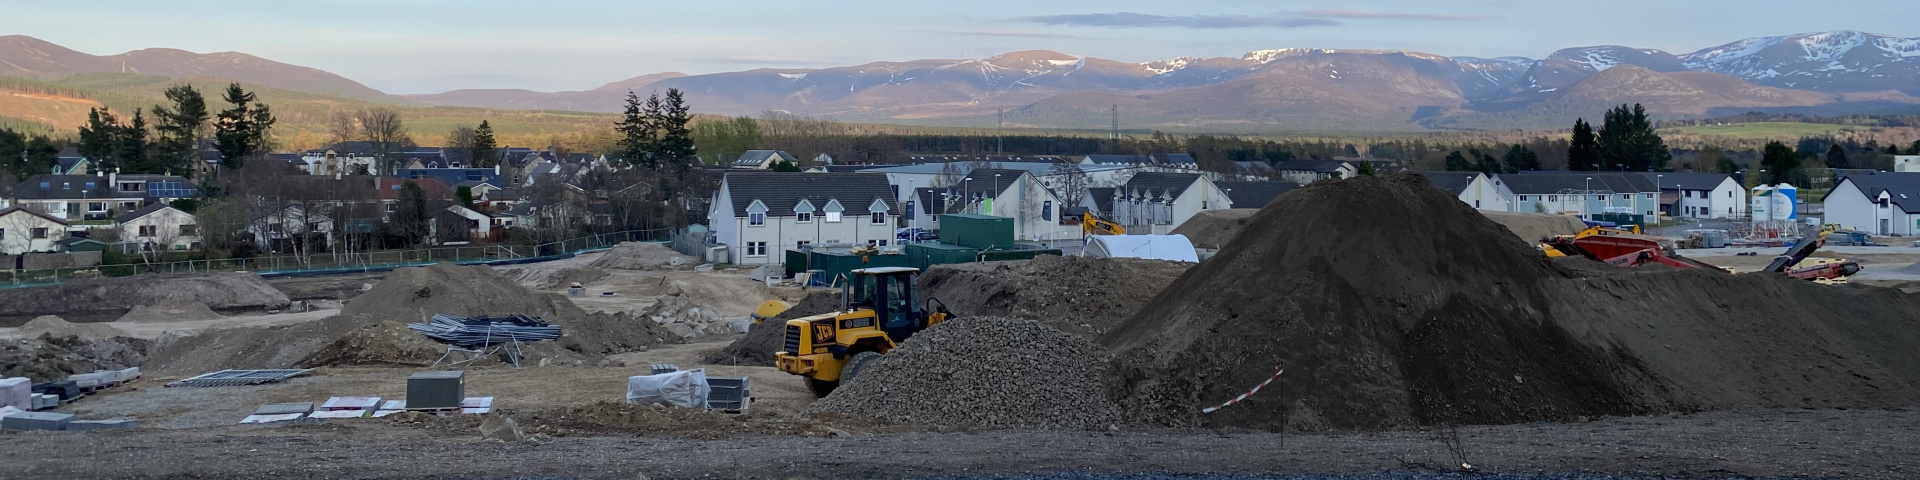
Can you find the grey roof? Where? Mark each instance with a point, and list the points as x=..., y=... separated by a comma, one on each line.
x=845, y=168
x=1903, y=189
x=781, y=191
x=1687, y=180
x=756, y=157
x=916, y=158
x=1554, y=183
x=141, y=212
x=1102, y=198
x=1155, y=159
x=9, y=210
x=983, y=179
x=1155, y=184
x=64, y=187
x=931, y=199
x=1255, y=194
x=1453, y=182
x=1310, y=165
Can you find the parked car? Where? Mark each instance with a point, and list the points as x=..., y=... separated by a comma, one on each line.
x=915, y=235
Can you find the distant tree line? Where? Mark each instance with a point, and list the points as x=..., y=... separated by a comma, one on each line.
x=240, y=133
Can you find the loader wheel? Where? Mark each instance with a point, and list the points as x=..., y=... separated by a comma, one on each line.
x=821, y=388
x=857, y=364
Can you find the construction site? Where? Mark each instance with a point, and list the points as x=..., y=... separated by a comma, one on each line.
x=1360, y=328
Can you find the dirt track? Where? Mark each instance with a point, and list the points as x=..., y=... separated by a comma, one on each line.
x=1841, y=444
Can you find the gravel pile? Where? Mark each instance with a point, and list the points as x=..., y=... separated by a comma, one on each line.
x=984, y=372
x=757, y=347
x=1081, y=295
x=644, y=256
x=58, y=327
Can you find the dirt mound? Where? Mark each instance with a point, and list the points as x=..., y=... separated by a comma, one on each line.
x=1531, y=227
x=372, y=328
x=109, y=298
x=1073, y=294
x=984, y=372
x=50, y=358
x=548, y=278
x=757, y=347
x=1423, y=311
x=1213, y=228
x=644, y=256
x=54, y=326
x=170, y=311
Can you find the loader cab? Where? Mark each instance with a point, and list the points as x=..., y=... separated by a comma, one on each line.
x=888, y=291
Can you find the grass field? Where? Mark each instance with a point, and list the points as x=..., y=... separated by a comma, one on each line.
x=1769, y=130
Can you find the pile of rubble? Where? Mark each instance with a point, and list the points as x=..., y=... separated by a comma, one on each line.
x=643, y=256
x=757, y=347
x=50, y=358
x=984, y=372
x=1080, y=295
x=692, y=319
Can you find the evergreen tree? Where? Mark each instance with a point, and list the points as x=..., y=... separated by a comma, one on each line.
x=179, y=129
x=634, y=128
x=1628, y=142
x=465, y=195
x=42, y=153
x=1780, y=163
x=1893, y=149
x=1836, y=157
x=784, y=166
x=1726, y=165
x=130, y=145
x=676, y=145
x=1522, y=159
x=240, y=131
x=483, y=151
x=1485, y=163
x=1583, y=152
x=1365, y=169
x=13, y=153
x=410, y=214
x=98, y=138
x=1458, y=163
x=1915, y=149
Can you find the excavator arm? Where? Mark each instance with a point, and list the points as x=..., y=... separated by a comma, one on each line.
x=1091, y=224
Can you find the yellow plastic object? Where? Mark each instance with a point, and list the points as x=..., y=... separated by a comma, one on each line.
x=769, y=309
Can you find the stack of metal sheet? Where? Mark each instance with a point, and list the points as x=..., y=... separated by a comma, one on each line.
x=482, y=332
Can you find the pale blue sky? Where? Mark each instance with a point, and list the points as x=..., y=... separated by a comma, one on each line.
x=431, y=46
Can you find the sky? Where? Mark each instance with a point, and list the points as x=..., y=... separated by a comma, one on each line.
x=420, y=46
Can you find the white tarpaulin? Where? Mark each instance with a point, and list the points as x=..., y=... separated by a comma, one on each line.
x=685, y=388
x=1151, y=247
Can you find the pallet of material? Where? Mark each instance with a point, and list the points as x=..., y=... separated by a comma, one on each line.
x=36, y=421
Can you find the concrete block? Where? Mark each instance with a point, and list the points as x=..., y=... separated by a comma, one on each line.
x=16, y=392
x=285, y=408
x=113, y=424
x=126, y=375
x=350, y=403
x=36, y=421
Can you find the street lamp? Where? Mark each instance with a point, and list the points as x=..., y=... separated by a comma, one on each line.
x=966, y=191
x=1659, y=204
x=1586, y=200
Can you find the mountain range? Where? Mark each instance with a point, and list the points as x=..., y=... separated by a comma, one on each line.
x=1838, y=72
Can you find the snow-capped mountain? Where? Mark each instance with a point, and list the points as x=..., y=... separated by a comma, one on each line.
x=1841, y=61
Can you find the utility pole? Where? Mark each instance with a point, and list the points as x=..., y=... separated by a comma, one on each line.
x=1000, y=138
x=1116, y=128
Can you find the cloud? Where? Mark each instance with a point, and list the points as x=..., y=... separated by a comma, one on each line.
x=1132, y=19
x=1373, y=15
x=1002, y=34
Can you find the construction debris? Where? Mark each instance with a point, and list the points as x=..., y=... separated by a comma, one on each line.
x=231, y=378
x=55, y=326
x=690, y=318
x=475, y=333
x=984, y=372
x=762, y=339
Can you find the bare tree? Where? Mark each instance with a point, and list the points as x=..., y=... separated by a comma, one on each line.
x=385, y=132
x=459, y=147
x=1070, y=183
x=343, y=127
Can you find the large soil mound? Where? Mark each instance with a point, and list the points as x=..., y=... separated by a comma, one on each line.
x=984, y=372
x=1074, y=294
x=1213, y=228
x=1393, y=304
x=58, y=327
x=372, y=328
x=109, y=298
x=643, y=256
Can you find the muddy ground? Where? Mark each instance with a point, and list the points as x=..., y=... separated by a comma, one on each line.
x=1819, y=444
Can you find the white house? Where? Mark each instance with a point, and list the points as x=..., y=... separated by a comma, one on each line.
x=1018, y=195
x=1476, y=189
x=763, y=159
x=23, y=230
x=1885, y=203
x=1582, y=193
x=1700, y=195
x=957, y=175
x=1906, y=163
x=479, y=225
x=1158, y=202
x=759, y=215
x=159, y=227
x=278, y=229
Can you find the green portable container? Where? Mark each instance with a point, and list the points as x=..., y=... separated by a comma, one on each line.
x=977, y=231
x=923, y=255
x=998, y=255
x=837, y=264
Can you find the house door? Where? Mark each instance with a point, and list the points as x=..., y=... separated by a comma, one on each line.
x=1883, y=226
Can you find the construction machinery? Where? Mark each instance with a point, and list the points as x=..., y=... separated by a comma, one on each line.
x=1824, y=270
x=1553, y=246
x=1091, y=224
x=879, y=308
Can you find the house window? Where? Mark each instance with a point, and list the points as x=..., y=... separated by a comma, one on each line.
x=1553, y=198
x=189, y=229
x=3, y=234
x=39, y=233
x=833, y=217
x=1648, y=196
x=149, y=230
x=1046, y=210
x=876, y=243
x=756, y=249
x=756, y=219
x=96, y=206
x=934, y=218
x=803, y=244
x=803, y=217
x=1601, y=198
x=1523, y=198
x=879, y=218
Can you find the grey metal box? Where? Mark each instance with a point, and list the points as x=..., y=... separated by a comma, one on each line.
x=36, y=421
x=729, y=393
x=284, y=408
x=435, y=390
x=114, y=424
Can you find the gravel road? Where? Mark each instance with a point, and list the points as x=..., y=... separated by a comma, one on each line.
x=1768, y=444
